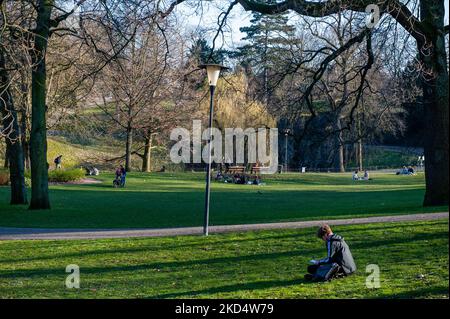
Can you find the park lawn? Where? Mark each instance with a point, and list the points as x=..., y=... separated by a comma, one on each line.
x=159, y=200
x=412, y=258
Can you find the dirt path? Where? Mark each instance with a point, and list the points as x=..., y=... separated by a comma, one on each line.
x=9, y=233
x=83, y=181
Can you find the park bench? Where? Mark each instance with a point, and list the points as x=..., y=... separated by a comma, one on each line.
x=236, y=170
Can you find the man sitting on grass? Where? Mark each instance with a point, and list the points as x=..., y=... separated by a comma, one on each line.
x=339, y=261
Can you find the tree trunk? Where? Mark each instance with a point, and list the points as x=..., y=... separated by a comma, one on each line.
x=38, y=136
x=340, y=147
x=360, y=154
x=128, y=146
x=24, y=139
x=23, y=121
x=146, y=161
x=26, y=149
x=14, y=152
x=341, y=158
x=435, y=98
x=16, y=168
x=360, y=148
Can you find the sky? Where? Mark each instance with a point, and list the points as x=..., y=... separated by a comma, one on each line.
x=205, y=21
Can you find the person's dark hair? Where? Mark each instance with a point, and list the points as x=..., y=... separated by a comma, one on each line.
x=323, y=230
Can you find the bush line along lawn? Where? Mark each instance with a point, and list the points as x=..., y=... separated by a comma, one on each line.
x=176, y=200
x=412, y=257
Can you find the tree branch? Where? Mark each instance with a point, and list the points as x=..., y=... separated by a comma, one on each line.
x=395, y=8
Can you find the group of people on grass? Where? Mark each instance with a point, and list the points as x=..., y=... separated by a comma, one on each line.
x=238, y=178
x=365, y=177
x=406, y=171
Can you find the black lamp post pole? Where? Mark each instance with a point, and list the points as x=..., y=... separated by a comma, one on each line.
x=208, y=171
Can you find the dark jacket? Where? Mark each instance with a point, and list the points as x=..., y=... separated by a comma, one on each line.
x=339, y=252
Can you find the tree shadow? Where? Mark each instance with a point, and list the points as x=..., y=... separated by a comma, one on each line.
x=257, y=285
x=363, y=245
x=159, y=265
x=419, y=293
x=152, y=247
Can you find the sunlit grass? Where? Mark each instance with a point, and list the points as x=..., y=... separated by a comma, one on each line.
x=412, y=257
x=177, y=199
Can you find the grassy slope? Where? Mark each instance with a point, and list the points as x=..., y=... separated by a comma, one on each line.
x=75, y=155
x=174, y=200
x=413, y=260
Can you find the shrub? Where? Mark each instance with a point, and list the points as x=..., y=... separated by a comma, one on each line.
x=4, y=177
x=62, y=176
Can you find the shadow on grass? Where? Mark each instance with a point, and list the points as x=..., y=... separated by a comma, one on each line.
x=354, y=244
x=363, y=245
x=439, y=291
x=140, y=207
x=152, y=247
x=157, y=265
x=232, y=288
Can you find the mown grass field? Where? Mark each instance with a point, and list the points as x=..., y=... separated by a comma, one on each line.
x=175, y=200
x=412, y=258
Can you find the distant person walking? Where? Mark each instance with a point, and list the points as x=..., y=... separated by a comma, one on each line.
x=58, y=161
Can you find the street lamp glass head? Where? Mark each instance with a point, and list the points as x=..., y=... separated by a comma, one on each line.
x=213, y=71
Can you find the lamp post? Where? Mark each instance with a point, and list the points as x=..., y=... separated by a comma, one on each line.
x=286, y=133
x=213, y=71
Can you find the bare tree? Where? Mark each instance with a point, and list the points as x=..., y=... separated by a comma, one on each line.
x=33, y=29
x=429, y=32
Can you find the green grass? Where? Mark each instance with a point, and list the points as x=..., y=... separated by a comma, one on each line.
x=412, y=257
x=385, y=158
x=176, y=200
x=75, y=155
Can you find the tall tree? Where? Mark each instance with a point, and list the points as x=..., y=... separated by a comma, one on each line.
x=14, y=151
x=429, y=32
x=134, y=86
x=44, y=19
x=268, y=40
x=38, y=136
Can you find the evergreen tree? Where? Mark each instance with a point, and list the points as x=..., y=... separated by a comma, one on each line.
x=201, y=51
x=269, y=38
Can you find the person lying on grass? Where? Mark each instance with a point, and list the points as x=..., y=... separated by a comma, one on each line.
x=339, y=261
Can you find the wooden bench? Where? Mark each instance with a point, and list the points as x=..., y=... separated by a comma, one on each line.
x=257, y=169
x=236, y=169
